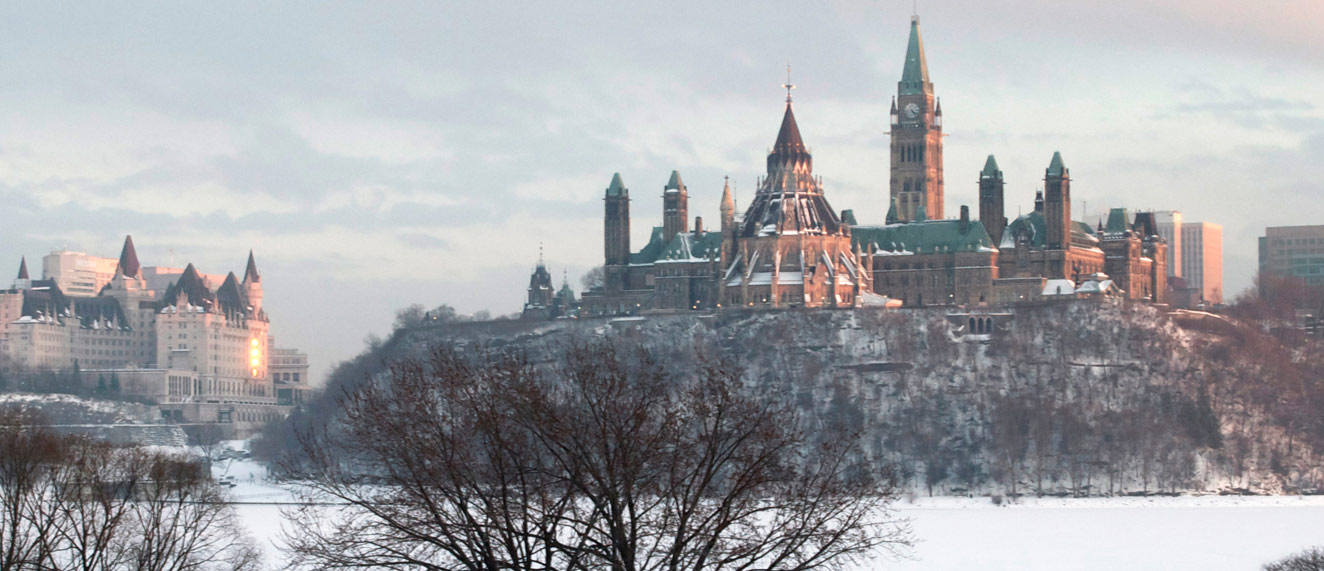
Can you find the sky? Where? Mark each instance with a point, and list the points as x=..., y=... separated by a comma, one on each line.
x=379, y=154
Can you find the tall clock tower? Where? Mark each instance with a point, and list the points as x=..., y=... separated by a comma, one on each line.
x=916, y=181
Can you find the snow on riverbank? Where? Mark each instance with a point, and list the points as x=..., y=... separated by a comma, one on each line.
x=1169, y=533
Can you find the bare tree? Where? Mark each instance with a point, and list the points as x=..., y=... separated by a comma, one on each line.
x=71, y=503
x=210, y=440
x=602, y=461
x=27, y=452
x=1309, y=560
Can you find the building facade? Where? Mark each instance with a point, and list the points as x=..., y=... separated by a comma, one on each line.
x=1169, y=224
x=77, y=273
x=1202, y=262
x=199, y=348
x=1293, y=251
x=790, y=248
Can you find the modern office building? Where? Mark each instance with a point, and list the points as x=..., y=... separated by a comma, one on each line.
x=1202, y=259
x=1294, y=251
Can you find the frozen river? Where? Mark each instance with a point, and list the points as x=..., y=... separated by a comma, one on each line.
x=1205, y=533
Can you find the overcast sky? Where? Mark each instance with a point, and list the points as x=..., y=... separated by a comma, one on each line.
x=380, y=154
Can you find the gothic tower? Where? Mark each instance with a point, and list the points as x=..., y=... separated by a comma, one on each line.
x=916, y=179
x=675, y=208
x=1057, y=205
x=616, y=239
x=991, y=211
x=728, y=210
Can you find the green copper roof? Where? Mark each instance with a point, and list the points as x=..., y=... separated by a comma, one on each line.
x=1034, y=224
x=990, y=169
x=1117, y=221
x=922, y=214
x=652, y=250
x=674, y=183
x=922, y=237
x=848, y=216
x=915, y=74
x=1056, y=168
x=692, y=247
x=617, y=188
x=891, y=212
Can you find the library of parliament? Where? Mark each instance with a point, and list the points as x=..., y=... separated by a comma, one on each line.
x=790, y=248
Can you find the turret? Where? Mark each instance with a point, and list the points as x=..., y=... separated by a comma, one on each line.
x=991, y=208
x=1057, y=205
x=128, y=264
x=23, y=269
x=616, y=234
x=675, y=208
x=253, y=285
x=728, y=212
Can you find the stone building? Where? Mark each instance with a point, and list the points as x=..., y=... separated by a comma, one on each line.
x=791, y=249
x=545, y=302
x=199, y=349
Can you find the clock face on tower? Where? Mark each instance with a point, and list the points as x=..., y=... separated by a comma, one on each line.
x=912, y=110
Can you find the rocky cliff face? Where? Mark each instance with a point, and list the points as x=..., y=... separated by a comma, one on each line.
x=1082, y=398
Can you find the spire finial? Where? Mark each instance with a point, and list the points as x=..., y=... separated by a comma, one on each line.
x=540, y=253
x=788, y=85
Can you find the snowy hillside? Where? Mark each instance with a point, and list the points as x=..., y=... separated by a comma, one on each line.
x=114, y=421
x=1072, y=399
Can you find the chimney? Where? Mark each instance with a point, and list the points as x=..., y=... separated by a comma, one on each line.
x=965, y=219
x=698, y=225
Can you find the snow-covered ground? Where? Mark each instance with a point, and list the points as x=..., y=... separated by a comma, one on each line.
x=1205, y=533
x=1169, y=533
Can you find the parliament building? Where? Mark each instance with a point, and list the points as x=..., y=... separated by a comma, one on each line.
x=790, y=248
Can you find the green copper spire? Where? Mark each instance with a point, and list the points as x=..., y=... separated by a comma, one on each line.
x=617, y=188
x=1056, y=168
x=922, y=214
x=674, y=183
x=891, y=212
x=990, y=169
x=915, y=74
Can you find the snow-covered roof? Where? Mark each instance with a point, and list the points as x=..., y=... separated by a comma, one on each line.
x=1059, y=287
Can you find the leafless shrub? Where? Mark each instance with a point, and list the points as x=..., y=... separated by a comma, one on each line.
x=604, y=462
x=77, y=504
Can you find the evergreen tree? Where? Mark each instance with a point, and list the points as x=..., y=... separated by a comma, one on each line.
x=101, y=384
x=114, y=383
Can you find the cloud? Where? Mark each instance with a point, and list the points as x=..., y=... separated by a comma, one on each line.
x=420, y=151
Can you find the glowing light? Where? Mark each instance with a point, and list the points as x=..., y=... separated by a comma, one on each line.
x=254, y=342
x=254, y=372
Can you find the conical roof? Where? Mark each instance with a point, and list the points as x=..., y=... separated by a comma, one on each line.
x=788, y=138
x=617, y=187
x=915, y=74
x=129, y=259
x=23, y=268
x=674, y=183
x=891, y=213
x=1056, y=167
x=728, y=201
x=789, y=146
x=990, y=168
x=250, y=273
